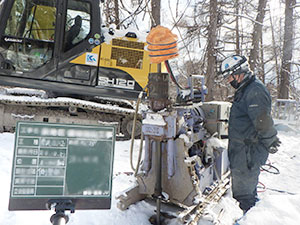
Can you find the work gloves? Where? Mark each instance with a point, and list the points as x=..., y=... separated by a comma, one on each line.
x=274, y=146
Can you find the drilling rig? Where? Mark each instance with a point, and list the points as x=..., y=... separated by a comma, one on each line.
x=185, y=162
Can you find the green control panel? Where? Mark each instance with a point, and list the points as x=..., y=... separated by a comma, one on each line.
x=62, y=161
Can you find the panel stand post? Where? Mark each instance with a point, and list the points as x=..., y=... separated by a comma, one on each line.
x=60, y=218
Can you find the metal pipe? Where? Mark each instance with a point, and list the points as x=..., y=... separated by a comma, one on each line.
x=158, y=188
x=171, y=157
x=146, y=166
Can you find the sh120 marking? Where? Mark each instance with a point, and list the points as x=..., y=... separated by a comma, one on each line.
x=116, y=82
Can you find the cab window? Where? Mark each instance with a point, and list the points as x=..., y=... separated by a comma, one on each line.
x=78, y=23
x=30, y=20
x=30, y=34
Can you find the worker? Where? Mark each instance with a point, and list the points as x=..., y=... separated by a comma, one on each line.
x=73, y=33
x=251, y=134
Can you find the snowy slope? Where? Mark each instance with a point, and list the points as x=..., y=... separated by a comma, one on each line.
x=281, y=205
x=278, y=206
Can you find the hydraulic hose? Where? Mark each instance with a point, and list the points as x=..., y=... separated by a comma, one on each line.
x=140, y=155
x=167, y=64
x=133, y=135
x=269, y=170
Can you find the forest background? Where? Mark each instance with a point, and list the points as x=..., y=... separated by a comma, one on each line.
x=265, y=31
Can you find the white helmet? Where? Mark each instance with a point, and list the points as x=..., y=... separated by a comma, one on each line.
x=232, y=65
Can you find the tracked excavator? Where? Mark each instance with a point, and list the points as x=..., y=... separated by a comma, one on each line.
x=89, y=73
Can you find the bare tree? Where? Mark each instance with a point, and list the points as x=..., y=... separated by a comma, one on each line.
x=211, y=44
x=288, y=45
x=111, y=12
x=116, y=12
x=237, y=29
x=261, y=72
x=155, y=12
x=275, y=50
x=256, y=36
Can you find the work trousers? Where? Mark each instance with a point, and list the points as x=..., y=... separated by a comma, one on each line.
x=245, y=162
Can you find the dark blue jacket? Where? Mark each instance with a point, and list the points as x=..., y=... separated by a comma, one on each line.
x=251, y=130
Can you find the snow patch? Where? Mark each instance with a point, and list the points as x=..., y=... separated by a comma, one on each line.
x=154, y=119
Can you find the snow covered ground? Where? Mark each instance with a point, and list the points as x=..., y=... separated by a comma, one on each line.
x=279, y=201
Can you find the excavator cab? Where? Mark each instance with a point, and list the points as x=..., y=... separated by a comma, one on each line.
x=37, y=34
x=58, y=45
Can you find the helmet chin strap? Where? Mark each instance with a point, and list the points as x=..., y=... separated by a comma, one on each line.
x=234, y=83
x=240, y=82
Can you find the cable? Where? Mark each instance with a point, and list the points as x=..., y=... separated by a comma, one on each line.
x=133, y=134
x=276, y=172
x=172, y=75
x=133, y=128
x=269, y=169
x=262, y=186
x=281, y=191
x=140, y=155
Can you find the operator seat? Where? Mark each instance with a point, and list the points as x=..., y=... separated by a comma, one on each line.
x=73, y=33
x=6, y=63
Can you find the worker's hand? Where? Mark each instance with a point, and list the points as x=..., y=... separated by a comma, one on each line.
x=274, y=146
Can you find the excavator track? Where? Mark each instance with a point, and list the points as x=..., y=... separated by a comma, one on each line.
x=60, y=110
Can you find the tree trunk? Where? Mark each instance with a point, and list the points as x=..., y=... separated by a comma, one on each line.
x=117, y=16
x=111, y=12
x=155, y=12
x=211, y=53
x=256, y=35
x=261, y=72
x=288, y=45
x=275, y=50
x=237, y=28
